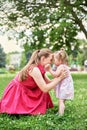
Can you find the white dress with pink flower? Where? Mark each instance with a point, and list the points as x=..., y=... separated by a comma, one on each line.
x=65, y=89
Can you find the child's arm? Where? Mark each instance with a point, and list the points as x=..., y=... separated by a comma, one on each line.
x=54, y=73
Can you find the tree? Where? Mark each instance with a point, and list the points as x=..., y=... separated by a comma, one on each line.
x=2, y=57
x=53, y=23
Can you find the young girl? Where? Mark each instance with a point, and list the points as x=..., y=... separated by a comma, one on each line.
x=65, y=89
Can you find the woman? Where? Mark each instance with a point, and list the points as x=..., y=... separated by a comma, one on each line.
x=28, y=93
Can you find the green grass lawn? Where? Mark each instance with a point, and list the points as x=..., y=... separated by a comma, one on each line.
x=75, y=117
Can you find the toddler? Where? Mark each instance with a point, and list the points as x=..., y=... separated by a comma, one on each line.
x=65, y=89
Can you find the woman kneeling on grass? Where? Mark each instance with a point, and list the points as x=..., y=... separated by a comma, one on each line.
x=28, y=93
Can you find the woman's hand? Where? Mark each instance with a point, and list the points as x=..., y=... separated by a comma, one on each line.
x=63, y=74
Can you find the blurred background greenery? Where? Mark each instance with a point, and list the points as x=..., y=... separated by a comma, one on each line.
x=35, y=24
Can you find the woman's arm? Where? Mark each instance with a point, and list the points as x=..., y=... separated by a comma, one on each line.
x=46, y=77
x=37, y=76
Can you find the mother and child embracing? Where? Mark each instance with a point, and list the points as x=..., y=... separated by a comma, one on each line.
x=28, y=92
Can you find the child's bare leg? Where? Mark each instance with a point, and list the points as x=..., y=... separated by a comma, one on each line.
x=61, y=106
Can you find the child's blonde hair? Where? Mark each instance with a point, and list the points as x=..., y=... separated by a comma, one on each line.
x=62, y=56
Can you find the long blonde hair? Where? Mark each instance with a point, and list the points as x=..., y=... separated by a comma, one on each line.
x=34, y=61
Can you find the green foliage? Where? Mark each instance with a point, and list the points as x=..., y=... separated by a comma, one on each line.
x=2, y=57
x=53, y=23
x=5, y=79
x=23, y=60
x=75, y=117
x=12, y=17
x=83, y=48
x=82, y=53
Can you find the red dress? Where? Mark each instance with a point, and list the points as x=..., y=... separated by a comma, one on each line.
x=25, y=97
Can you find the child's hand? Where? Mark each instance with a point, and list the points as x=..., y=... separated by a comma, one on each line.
x=48, y=67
